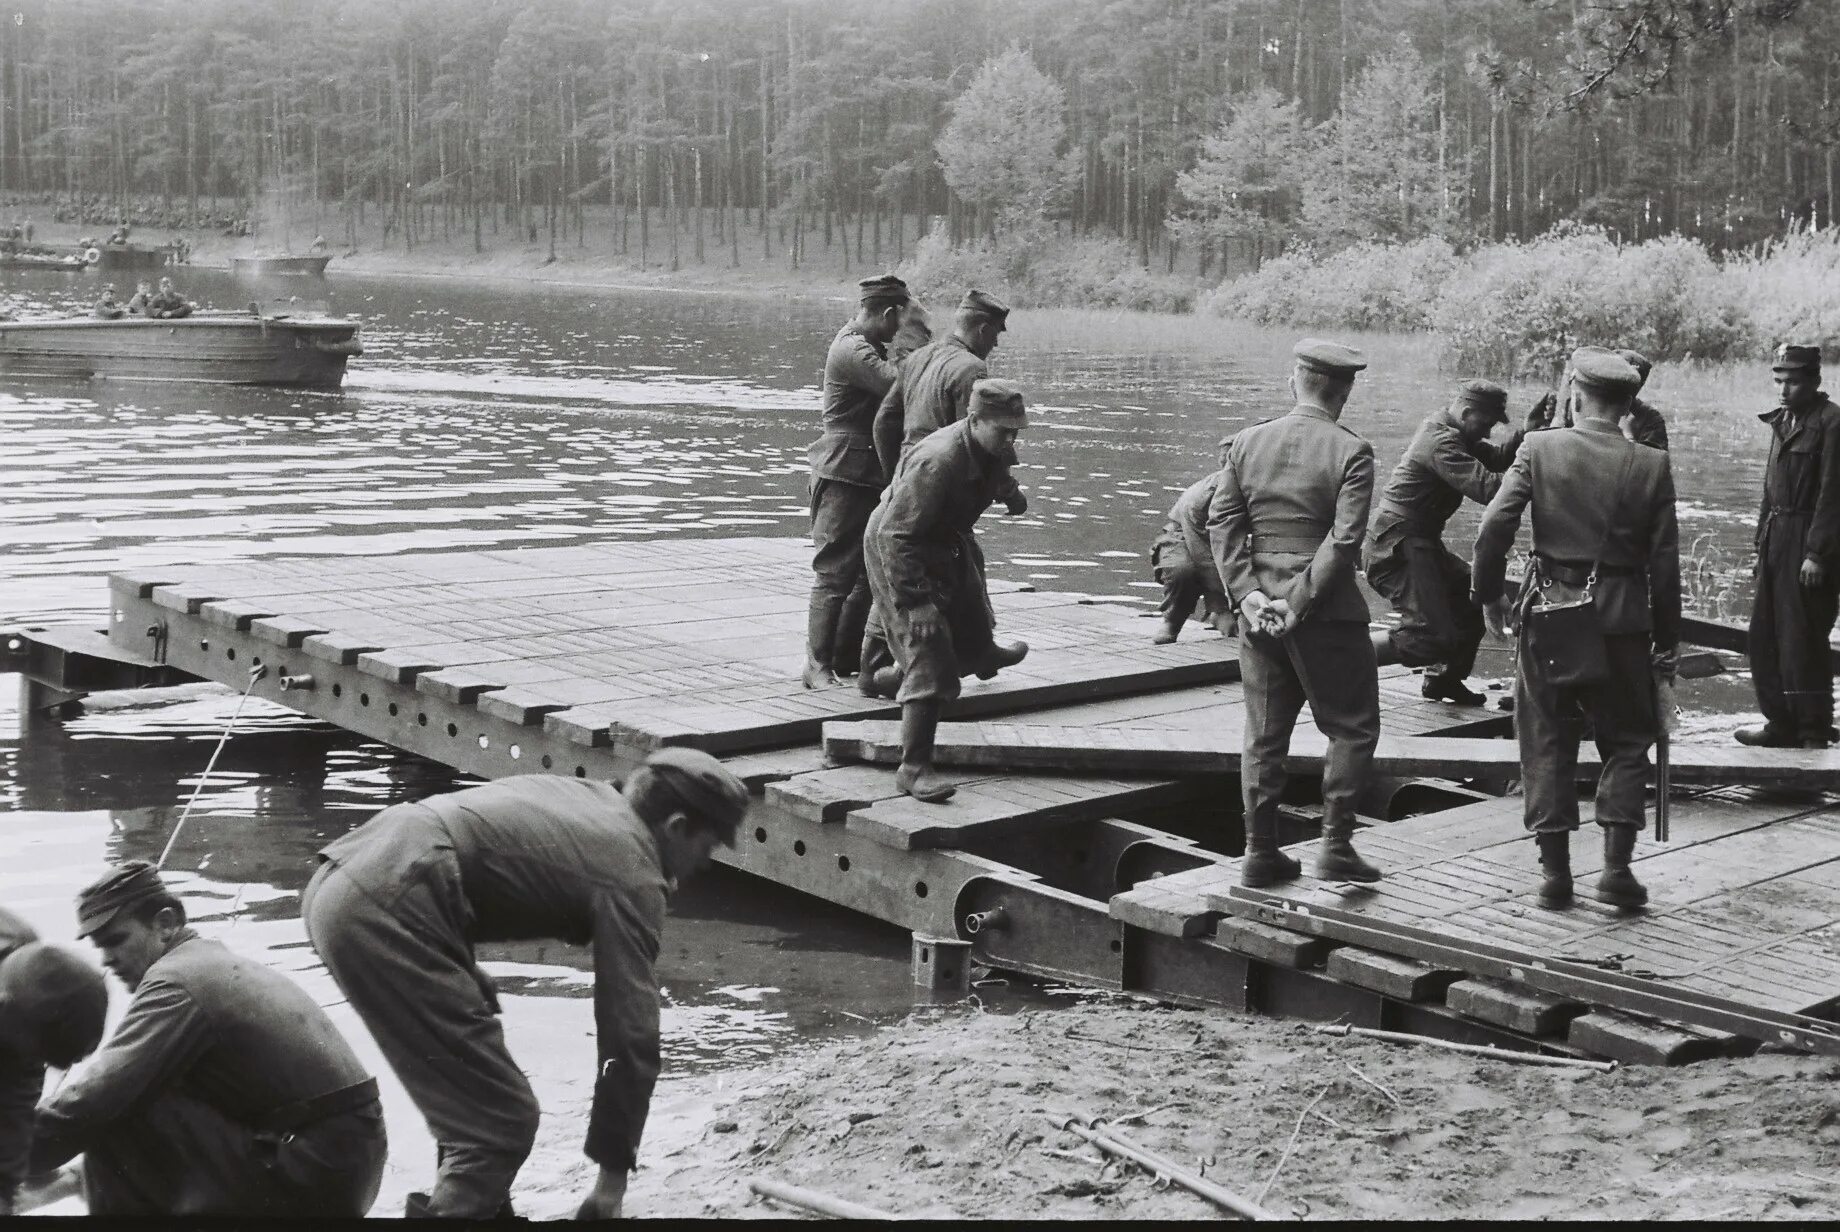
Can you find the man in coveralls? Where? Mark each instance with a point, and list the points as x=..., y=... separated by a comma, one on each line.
x=1450, y=457
x=1183, y=564
x=846, y=477
x=932, y=609
x=52, y=1008
x=1798, y=560
x=399, y=903
x=225, y=1090
x=1601, y=505
x=1286, y=525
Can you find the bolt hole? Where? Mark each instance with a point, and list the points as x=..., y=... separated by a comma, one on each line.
x=760, y=834
x=926, y=954
x=843, y=864
x=364, y=699
x=581, y=772
x=919, y=889
x=393, y=710
x=230, y=653
x=798, y=848
x=255, y=661
x=338, y=690
x=421, y=720
x=204, y=643
x=548, y=761
x=453, y=729
x=1117, y=946
x=515, y=752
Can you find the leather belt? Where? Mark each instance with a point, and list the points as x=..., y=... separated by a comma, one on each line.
x=1301, y=544
x=1578, y=572
x=290, y=1118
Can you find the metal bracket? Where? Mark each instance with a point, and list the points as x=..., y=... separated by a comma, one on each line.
x=159, y=632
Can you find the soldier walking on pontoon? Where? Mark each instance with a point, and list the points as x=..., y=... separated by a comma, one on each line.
x=1604, y=524
x=846, y=477
x=1286, y=525
x=1183, y=564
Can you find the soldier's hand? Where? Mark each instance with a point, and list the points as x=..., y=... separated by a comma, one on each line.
x=923, y=623
x=1281, y=620
x=1813, y=574
x=1496, y=616
x=1252, y=612
x=1018, y=504
x=1665, y=663
x=1542, y=412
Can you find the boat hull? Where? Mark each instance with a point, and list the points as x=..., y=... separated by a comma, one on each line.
x=259, y=267
x=306, y=353
x=130, y=257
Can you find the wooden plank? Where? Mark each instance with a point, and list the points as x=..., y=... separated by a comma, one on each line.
x=1518, y=1009
x=983, y=807
x=1403, y=979
x=1273, y=945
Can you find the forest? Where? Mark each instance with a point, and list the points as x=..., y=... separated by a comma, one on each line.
x=1191, y=124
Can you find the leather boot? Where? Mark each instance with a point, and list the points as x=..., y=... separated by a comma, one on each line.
x=846, y=658
x=1555, y=869
x=916, y=776
x=1616, y=885
x=1265, y=863
x=820, y=639
x=1336, y=858
x=1766, y=737
x=999, y=656
x=416, y=1207
x=1442, y=688
x=1167, y=630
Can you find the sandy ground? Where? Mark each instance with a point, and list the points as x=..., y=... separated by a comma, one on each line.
x=948, y=1114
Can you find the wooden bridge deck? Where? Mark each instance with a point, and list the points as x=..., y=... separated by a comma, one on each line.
x=580, y=659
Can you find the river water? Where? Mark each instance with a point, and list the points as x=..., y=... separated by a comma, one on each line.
x=505, y=416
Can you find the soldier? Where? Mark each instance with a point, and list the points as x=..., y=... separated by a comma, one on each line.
x=168, y=304
x=107, y=308
x=1183, y=563
x=1450, y=457
x=1286, y=526
x=846, y=478
x=224, y=1090
x=143, y=295
x=399, y=903
x=52, y=1007
x=1798, y=560
x=932, y=610
x=1644, y=424
x=1603, y=522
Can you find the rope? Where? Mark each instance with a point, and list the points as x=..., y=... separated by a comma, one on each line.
x=255, y=674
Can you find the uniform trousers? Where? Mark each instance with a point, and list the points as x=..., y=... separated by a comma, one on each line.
x=1330, y=664
x=1186, y=581
x=1428, y=585
x=931, y=666
x=403, y=962
x=839, y=513
x=1790, y=625
x=1549, y=722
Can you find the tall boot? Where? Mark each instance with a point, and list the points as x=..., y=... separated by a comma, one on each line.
x=1336, y=858
x=999, y=656
x=1555, y=869
x=1616, y=885
x=846, y=658
x=820, y=639
x=1265, y=863
x=919, y=724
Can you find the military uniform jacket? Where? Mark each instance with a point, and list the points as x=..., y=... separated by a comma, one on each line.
x=542, y=856
x=1438, y=469
x=927, y=515
x=857, y=374
x=1571, y=478
x=1290, y=511
x=22, y=1079
x=1190, y=513
x=1803, y=477
x=210, y=1024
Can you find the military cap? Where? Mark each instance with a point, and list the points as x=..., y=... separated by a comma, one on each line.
x=704, y=785
x=1638, y=361
x=986, y=305
x=1483, y=396
x=1792, y=357
x=120, y=887
x=53, y=1002
x=883, y=288
x=1604, y=371
x=1329, y=358
x=999, y=402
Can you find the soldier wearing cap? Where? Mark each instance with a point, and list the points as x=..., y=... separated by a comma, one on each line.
x=846, y=477
x=1183, y=564
x=1798, y=560
x=52, y=1006
x=932, y=610
x=936, y=383
x=225, y=1090
x=1603, y=522
x=399, y=903
x=1286, y=525
x=1645, y=425
x=1450, y=457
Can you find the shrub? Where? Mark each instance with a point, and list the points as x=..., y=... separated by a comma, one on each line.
x=1365, y=286
x=1786, y=290
x=1033, y=267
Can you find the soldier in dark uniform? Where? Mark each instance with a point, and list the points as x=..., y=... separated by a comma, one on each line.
x=167, y=304
x=107, y=307
x=1798, y=560
x=1183, y=563
x=400, y=902
x=846, y=478
x=1450, y=457
x=1603, y=508
x=224, y=1090
x=1286, y=525
x=52, y=1008
x=932, y=610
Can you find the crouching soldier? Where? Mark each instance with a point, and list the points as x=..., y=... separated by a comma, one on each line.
x=225, y=1090
x=1183, y=563
x=399, y=903
x=932, y=609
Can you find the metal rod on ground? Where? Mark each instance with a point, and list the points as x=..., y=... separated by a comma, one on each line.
x=812, y=1200
x=255, y=674
x=1480, y=1050
x=1114, y=1143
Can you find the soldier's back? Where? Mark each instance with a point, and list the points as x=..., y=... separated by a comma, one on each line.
x=1292, y=468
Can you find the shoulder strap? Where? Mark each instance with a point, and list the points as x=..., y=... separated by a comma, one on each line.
x=1616, y=505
